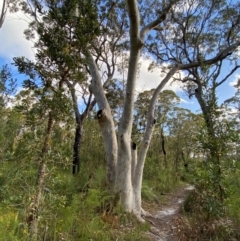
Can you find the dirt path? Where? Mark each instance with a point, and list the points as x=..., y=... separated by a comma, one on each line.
x=163, y=227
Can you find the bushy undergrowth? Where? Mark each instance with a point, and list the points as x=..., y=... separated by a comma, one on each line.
x=206, y=216
x=72, y=207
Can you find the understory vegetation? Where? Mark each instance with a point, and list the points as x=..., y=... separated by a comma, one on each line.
x=89, y=137
x=75, y=207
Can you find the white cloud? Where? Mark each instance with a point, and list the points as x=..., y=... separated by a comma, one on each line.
x=13, y=42
x=235, y=80
x=186, y=102
x=151, y=79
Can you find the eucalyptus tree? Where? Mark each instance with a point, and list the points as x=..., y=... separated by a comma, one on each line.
x=231, y=113
x=184, y=127
x=167, y=30
x=202, y=30
x=64, y=32
x=57, y=58
x=160, y=31
x=165, y=105
x=61, y=37
x=40, y=105
x=10, y=121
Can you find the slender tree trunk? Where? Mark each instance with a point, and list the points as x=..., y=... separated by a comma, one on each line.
x=32, y=218
x=79, y=118
x=76, y=146
x=3, y=12
x=163, y=148
x=213, y=140
x=105, y=120
x=176, y=159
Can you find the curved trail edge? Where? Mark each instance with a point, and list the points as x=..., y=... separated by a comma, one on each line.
x=163, y=227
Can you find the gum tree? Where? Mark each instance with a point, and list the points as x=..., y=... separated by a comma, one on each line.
x=125, y=159
x=169, y=31
x=202, y=29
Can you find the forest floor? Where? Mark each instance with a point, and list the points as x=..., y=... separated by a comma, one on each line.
x=163, y=217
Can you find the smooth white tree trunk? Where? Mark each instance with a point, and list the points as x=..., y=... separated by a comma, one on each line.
x=124, y=165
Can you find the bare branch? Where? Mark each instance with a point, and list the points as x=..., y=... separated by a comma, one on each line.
x=227, y=76
x=220, y=56
x=156, y=22
x=3, y=13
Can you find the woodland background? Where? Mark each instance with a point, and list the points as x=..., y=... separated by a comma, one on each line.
x=52, y=154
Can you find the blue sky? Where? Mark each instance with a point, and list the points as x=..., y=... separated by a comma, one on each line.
x=13, y=44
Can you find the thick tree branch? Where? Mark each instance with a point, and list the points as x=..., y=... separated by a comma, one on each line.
x=220, y=56
x=151, y=121
x=157, y=21
x=105, y=120
x=227, y=76
x=125, y=124
x=133, y=14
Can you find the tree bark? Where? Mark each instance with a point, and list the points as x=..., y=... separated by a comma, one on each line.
x=213, y=140
x=122, y=164
x=79, y=118
x=3, y=12
x=163, y=148
x=105, y=120
x=76, y=146
x=78, y=131
x=32, y=218
x=128, y=181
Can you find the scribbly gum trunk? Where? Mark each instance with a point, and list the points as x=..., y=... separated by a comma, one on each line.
x=32, y=218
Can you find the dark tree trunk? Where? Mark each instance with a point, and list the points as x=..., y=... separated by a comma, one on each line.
x=184, y=161
x=79, y=118
x=163, y=147
x=76, y=146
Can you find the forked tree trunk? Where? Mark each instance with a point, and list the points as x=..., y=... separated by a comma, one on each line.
x=79, y=118
x=32, y=218
x=124, y=169
x=124, y=166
